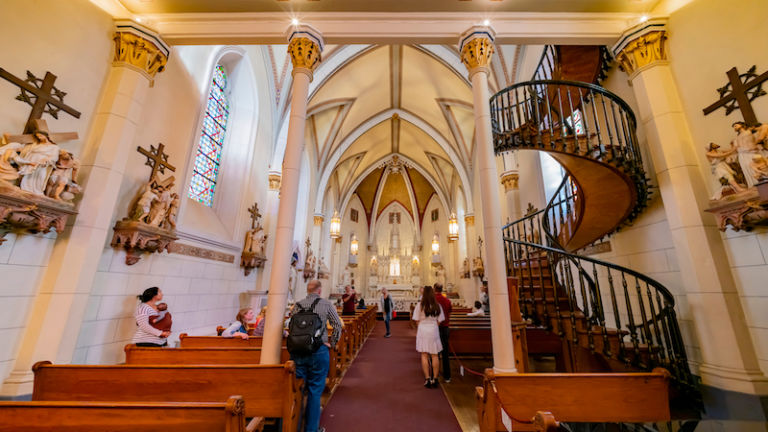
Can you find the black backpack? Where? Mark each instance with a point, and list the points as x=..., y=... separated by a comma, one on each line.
x=305, y=332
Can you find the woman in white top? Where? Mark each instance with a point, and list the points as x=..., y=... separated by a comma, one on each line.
x=428, y=314
x=146, y=335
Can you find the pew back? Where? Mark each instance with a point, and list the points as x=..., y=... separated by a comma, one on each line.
x=196, y=355
x=268, y=390
x=123, y=416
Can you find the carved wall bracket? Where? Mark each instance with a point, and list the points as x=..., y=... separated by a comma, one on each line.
x=138, y=237
x=22, y=211
x=250, y=260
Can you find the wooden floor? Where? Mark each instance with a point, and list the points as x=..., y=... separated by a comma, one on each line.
x=461, y=391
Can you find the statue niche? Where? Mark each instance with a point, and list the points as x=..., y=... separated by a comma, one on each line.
x=151, y=222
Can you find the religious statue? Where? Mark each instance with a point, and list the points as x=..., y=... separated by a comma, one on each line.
x=62, y=184
x=746, y=146
x=151, y=222
x=465, y=273
x=440, y=274
x=723, y=173
x=346, y=276
x=36, y=161
x=255, y=244
x=373, y=269
x=9, y=155
x=309, y=265
x=322, y=270
x=759, y=166
x=478, y=270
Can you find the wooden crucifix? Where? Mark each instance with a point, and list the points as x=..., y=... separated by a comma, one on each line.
x=255, y=215
x=744, y=89
x=156, y=159
x=41, y=95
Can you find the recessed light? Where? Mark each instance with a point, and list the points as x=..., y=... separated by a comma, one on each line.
x=644, y=18
x=486, y=22
x=295, y=21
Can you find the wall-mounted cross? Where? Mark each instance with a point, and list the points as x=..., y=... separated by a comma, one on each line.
x=744, y=89
x=156, y=159
x=255, y=215
x=308, y=243
x=41, y=95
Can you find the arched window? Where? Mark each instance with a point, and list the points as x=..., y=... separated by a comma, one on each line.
x=202, y=187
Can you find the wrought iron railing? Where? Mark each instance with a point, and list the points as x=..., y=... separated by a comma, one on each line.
x=574, y=118
x=632, y=315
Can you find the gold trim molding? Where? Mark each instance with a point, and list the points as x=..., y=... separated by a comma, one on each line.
x=274, y=181
x=305, y=53
x=469, y=220
x=477, y=53
x=641, y=46
x=319, y=220
x=139, y=48
x=510, y=181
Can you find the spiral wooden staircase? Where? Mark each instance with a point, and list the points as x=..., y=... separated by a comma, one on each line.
x=608, y=318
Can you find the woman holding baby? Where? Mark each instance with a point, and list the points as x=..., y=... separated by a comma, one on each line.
x=147, y=314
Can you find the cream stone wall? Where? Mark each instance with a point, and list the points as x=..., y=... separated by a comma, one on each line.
x=79, y=55
x=706, y=39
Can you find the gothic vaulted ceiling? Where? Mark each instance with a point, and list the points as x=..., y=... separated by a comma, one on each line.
x=387, y=101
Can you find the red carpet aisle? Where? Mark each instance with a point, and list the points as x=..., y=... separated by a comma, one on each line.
x=383, y=390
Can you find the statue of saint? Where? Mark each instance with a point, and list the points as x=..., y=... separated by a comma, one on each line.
x=465, y=273
x=759, y=167
x=440, y=275
x=346, y=276
x=159, y=207
x=723, y=174
x=478, y=270
x=255, y=240
x=9, y=154
x=173, y=212
x=746, y=146
x=373, y=270
x=144, y=204
x=36, y=161
x=62, y=184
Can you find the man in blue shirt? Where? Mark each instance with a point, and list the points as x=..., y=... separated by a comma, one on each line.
x=313, y=368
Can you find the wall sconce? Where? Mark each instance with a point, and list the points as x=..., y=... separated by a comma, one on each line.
x=335, y=225
x=435, y=245
x=353, y=245
x=453, y=228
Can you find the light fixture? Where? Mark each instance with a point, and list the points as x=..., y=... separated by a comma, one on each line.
x=644, y=18
x=486, y=22
x=415, y=260
x=353, y=245
x=295, y=21
x=435, y=245
x=453, y=228
x=335, y=225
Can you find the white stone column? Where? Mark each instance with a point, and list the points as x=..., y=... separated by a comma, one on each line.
x=58, y=309
x=476, y=47
x=305, y=45
x=728, y=355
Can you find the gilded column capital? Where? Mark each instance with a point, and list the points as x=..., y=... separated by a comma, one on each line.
x=476, y=48
x=305, y=45
x=319, y=219
x=274, y=180
x=139, y=48
x=469, y=220
x=510, y=180
x=641, y=46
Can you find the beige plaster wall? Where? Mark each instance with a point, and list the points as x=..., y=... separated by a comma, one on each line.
x=79, y=55
x=706, y=39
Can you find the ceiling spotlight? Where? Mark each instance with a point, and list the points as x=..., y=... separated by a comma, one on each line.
x=138, y=19
x=486, y=22
x=644, y=18
x=295, y=21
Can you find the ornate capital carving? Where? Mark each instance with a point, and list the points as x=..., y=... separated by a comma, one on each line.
x=641, y=46
x=319, y=220
x=304, y=47
x=510, y=181
x=139, y=48
x=469, y=220
x=476, y=47
x=274, y=180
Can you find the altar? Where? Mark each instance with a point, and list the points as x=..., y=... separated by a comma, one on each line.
x=402, y=295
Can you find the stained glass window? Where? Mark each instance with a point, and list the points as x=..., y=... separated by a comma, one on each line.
x=208, y=159
x=575, y=118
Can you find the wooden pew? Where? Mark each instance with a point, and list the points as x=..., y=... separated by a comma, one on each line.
x=572, y=397
x=71, y=416
x=269, y=391
x=197, y=355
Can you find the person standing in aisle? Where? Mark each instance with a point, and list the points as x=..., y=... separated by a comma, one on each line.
x=443, y=327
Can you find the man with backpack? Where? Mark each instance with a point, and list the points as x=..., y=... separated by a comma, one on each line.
x=309, y=346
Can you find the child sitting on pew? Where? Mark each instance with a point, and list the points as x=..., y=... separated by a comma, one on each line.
x=239, y=328
x=477, y=310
